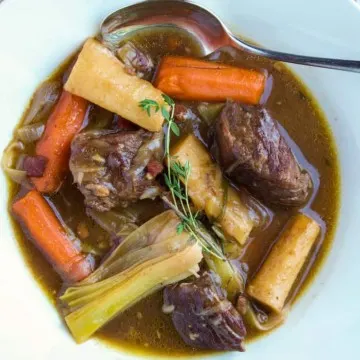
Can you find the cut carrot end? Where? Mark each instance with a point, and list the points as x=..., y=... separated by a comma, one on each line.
x=50, y=238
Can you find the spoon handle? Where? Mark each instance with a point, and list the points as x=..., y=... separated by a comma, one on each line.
x=338, y=64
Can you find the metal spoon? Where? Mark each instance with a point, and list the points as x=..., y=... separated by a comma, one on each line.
x=211, y=32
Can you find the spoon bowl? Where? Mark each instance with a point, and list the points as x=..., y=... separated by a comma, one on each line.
x=202, y=24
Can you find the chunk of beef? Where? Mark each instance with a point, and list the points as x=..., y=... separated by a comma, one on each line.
x=252, y=152
x=183, y=113
x=110, y=167
x=203, y=316
x=136, y=61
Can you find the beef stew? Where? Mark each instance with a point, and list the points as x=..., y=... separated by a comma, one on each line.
x=110, y=195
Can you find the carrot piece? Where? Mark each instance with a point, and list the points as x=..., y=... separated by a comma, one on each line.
x=183, y=61
x=50, y=237
x=193, y=79
x=61, y=127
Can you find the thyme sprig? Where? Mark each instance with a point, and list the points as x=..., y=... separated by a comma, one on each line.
x=176, y=179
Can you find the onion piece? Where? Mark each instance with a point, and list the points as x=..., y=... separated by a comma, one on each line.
x=231, y=279
x=273, y=320
x=9, y=162
x=30, y=133
x=44, y=99
x=209, y=112
x=151, y=193
x=150, y=149
x=99, y=118
x=116, y=223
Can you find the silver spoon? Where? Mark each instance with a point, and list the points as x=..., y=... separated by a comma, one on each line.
x=211, y=32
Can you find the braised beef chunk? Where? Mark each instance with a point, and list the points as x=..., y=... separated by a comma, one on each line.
x=252, y=152
x=136, y=61
x=183, y=113
x=110, y=167
x=203, y=316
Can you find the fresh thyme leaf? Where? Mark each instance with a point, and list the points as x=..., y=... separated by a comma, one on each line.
x=187, y=168
x=178, y=169
x=180, y=228
x=196, y=215
x=167, y=181
x=148, y=104
x=175, y=129
x=168, y=100
x=179, y=194
x=165, y=113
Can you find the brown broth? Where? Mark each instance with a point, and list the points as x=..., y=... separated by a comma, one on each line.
x=144, y=329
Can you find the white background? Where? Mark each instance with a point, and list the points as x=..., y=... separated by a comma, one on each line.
x=36, y=35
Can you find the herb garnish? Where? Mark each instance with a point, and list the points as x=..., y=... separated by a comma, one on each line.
x=176, y=179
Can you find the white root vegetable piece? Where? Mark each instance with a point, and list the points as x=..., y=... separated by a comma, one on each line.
x=273, y=282
x=209, y=191
x=101, y=78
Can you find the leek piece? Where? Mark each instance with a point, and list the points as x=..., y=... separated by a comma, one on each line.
x=157, y=229
x=150, y=258
x=231, y=279
x=90, y=317
x=125, y=265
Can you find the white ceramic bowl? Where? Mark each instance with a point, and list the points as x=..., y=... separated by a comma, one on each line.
x=36, y=35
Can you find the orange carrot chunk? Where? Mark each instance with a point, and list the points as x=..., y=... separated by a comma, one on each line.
x=192, y=79
x=183, y=61
x=60, y=129
x=50, y=237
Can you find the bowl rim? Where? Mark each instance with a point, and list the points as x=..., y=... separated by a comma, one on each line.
x=340, y=107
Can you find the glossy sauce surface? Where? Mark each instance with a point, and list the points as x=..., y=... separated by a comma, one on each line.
x=144, y=328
